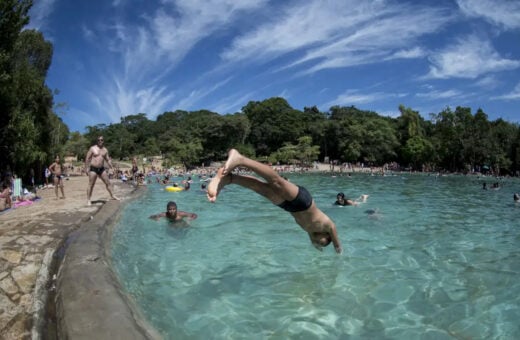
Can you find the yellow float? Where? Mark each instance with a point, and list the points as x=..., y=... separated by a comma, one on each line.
x=173, y=189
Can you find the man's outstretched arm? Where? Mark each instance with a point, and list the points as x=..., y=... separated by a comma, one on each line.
x=335, y=239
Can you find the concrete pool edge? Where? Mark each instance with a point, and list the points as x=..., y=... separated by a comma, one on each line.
x=90, y=301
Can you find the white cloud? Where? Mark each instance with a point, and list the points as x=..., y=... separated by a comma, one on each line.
x=469, y=58
x=177, y=29
x=513, y=95
x=388, y=113
x=488, y=82
x=144, y=52
x=88, y=34
x=119, y=99
x=439, y=94
x=302, y=25
x=504, y=13
x=39, y=14
x=233, y=103
x=197, y=95
x=366, y=33
x=354, y=97
x=415, y=52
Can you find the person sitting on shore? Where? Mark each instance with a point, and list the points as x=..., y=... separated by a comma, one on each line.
x=5, y=195
x=342, y=200
x=294, y=199
x=173, y=215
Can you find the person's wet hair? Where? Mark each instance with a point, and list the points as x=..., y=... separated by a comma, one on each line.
x=340, y=194
x=171, y=204
x=328, y=240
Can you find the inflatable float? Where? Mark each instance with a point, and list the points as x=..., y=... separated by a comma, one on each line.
x=173, y=189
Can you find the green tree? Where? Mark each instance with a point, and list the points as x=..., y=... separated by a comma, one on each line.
x=76, y=145
x=13, y=16
x=29, y=106
x=446, y=141
x=273, y=122
x=417, y=152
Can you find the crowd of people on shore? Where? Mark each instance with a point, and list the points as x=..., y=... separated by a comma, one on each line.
x=98, y=164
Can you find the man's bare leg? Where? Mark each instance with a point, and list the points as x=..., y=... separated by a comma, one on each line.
x=284, y=188
x=92, y=176
x=250, y=182
x=105, y=179
x=56, y=184
x=62, y=189
x=234, y=159
x=217, y=183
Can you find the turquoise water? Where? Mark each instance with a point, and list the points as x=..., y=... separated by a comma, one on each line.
x=439, y=260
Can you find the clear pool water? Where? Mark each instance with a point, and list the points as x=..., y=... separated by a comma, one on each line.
x=439, y=260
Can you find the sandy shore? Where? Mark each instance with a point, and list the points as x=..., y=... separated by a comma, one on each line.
x=85, y=292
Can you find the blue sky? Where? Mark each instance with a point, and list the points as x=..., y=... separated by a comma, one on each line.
x=122, y=57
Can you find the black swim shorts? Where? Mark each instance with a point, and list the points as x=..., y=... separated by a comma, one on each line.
x=301, y=202
x=98, y=171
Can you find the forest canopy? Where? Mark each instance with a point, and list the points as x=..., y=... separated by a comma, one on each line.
x=451, y=140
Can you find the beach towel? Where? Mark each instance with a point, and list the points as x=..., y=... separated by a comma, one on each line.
x=22, y=203
x=17, y=187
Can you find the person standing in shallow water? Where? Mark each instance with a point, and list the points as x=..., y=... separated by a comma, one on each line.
x=95, y=160
x=293, y=198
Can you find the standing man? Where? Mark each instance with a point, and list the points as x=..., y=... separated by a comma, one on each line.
x=57, y=172
x=95, y=160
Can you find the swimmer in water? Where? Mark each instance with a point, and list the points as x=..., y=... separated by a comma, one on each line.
x=173, y=215
x=343, y=201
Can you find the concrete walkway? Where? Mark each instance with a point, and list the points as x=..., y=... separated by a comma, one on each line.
x=89, y=302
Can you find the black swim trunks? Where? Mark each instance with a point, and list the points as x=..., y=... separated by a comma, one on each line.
x=98, y=171
x=301, y=202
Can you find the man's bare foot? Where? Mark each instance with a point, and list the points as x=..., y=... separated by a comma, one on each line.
x=216, y=184
x=232, y=162
x=115, y=198
x=89, y=203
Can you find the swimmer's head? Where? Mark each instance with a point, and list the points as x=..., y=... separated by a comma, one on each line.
x=320, y=240
x=516, y=197
x=171, y=208
x=340, y=195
